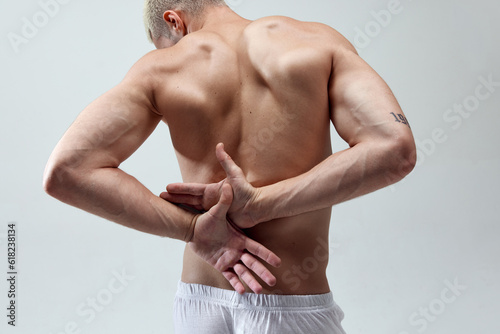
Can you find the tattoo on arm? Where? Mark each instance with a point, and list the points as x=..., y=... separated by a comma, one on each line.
x=401, y=119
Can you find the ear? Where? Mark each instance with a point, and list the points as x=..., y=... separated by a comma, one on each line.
x=174, y=20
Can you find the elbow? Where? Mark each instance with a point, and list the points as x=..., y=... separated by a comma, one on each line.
x=52, y=184
x=57, y=179
x=402, y=158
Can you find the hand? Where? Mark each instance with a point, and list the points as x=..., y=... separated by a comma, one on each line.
x=204, y=196
x=228, y=250
x=199, y=196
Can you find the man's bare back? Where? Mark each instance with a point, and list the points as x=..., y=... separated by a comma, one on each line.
x=268, y=90
x=262, y=90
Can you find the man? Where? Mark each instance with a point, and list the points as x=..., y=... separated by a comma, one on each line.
x=267, y=89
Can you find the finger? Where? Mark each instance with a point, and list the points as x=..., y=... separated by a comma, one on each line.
x=265, y=254
x=230, y=167
x=226, y=261
x=258, y=268
x=182, y=199
x=235, y=282
x=196, y=189
x=220, y=209
x=247, y=277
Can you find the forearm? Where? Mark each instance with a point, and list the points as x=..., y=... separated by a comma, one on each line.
x=343, y=176
x=114, y=195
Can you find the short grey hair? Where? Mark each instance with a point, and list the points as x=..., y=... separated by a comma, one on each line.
x=154, y=10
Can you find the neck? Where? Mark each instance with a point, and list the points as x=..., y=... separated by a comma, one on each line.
x=214, y=18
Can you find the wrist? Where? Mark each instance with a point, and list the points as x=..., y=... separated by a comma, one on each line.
x=274, y=201
x=260, y=206
x=188, y=237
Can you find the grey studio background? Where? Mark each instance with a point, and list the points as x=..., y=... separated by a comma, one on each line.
x=418, y=257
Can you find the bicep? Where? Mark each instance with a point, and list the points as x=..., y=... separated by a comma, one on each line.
x=110, y=129
x=363, y=107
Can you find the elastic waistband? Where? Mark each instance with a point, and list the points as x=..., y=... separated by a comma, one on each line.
x=254, y=301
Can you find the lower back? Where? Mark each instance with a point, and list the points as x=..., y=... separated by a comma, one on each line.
x=302, y=244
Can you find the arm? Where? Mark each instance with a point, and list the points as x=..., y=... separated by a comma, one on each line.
x=83, y=171
x=382, y=152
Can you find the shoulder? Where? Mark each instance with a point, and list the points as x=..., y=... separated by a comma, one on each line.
x=144, y=72
x=315, y=32
x=331, y=37
x=154, y=65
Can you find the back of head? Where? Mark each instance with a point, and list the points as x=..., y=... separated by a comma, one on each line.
x=154, y=10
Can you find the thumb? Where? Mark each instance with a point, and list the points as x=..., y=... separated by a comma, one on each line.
x=232, y=170
x=220, y=209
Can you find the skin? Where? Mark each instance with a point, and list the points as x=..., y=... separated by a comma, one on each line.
x=268, y=90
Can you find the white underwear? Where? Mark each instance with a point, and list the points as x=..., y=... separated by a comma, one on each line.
x=201, y=309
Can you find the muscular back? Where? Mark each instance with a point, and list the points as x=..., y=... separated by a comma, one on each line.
x=267, y=90
x=262, y=90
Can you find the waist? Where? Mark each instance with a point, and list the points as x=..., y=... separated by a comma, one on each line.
x=302, y=244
